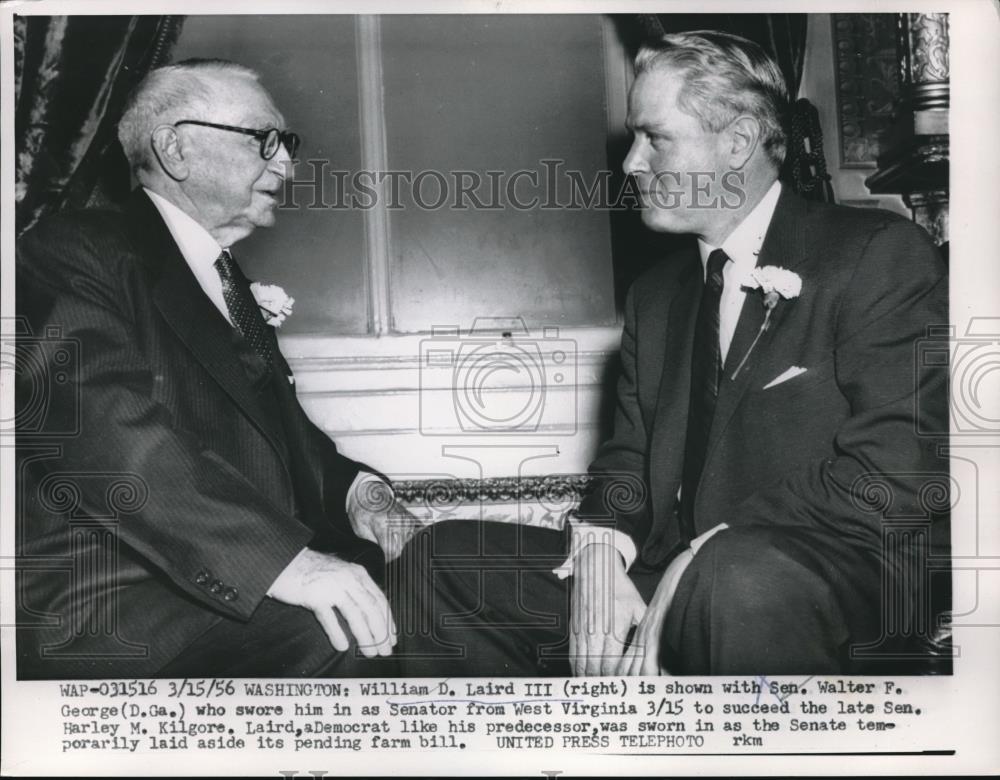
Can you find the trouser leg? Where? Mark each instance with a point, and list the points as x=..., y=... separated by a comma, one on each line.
x=479, y=599
x=772, y=600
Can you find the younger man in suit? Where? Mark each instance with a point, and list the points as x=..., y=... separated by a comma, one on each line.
x=768, y=391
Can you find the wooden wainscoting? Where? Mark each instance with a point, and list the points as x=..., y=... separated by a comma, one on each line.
x=392, y=402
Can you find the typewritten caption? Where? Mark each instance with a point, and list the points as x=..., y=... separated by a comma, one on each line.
x=602, y=715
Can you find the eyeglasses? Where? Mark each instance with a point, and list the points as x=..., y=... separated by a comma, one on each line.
x=270, y=139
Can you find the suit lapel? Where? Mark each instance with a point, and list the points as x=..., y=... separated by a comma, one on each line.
x=193, y=317
x=784, y=245
x=670, y=418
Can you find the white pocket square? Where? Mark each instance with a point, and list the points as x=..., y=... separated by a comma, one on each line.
x=790, y=373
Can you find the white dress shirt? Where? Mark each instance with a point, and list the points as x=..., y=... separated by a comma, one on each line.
x=199, y=249
x=742, y=246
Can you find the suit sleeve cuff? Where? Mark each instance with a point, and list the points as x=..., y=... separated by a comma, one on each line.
x=582, y=534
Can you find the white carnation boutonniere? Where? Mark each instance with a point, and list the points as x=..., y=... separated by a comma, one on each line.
x=275, y=304
x=775, y=283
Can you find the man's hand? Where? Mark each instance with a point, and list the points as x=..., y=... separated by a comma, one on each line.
x=377, y=516
x=643, y=655
x=323, y=583
x=605, y=606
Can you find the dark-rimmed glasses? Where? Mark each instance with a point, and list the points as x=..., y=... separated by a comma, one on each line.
x=270, y=139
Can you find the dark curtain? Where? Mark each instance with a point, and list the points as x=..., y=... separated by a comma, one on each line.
x=783, y=36
x=71, y=77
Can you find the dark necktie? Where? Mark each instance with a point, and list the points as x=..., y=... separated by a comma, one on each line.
x=243, y=309
x=706, y=365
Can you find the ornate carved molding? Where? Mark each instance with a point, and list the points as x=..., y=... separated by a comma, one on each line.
x=930, y=211
x=926, y=64
x=538, y=501
x=553, y=489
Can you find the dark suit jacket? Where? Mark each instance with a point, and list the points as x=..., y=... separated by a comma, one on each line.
x=822, y=449
x=167, y=475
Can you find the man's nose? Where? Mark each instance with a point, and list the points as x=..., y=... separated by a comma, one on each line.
x=634, y=161
x=281, y=163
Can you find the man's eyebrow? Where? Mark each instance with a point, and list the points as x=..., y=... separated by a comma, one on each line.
x=651, y=128
x=261, y=121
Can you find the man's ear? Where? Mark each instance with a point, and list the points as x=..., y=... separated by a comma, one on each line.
x=744, y=133
x=169, y=151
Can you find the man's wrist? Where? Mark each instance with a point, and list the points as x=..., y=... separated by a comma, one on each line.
x=295, y=560
x=583, y=535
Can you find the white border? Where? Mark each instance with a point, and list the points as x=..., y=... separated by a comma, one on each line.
x=971, y=706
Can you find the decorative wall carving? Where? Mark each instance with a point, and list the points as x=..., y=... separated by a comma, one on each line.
x=928, y=46
x=868, y=84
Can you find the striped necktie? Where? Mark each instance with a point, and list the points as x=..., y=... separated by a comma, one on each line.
x=706, y=366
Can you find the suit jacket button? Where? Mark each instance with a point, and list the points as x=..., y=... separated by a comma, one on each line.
x=216, y=586
x=231, y=594
x=202, y=577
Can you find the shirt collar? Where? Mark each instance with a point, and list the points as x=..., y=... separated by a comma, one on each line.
x=744, y=243
x=196, y=244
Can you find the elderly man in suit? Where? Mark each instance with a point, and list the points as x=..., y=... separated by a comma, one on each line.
x=768, y=380
x=246, y=547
